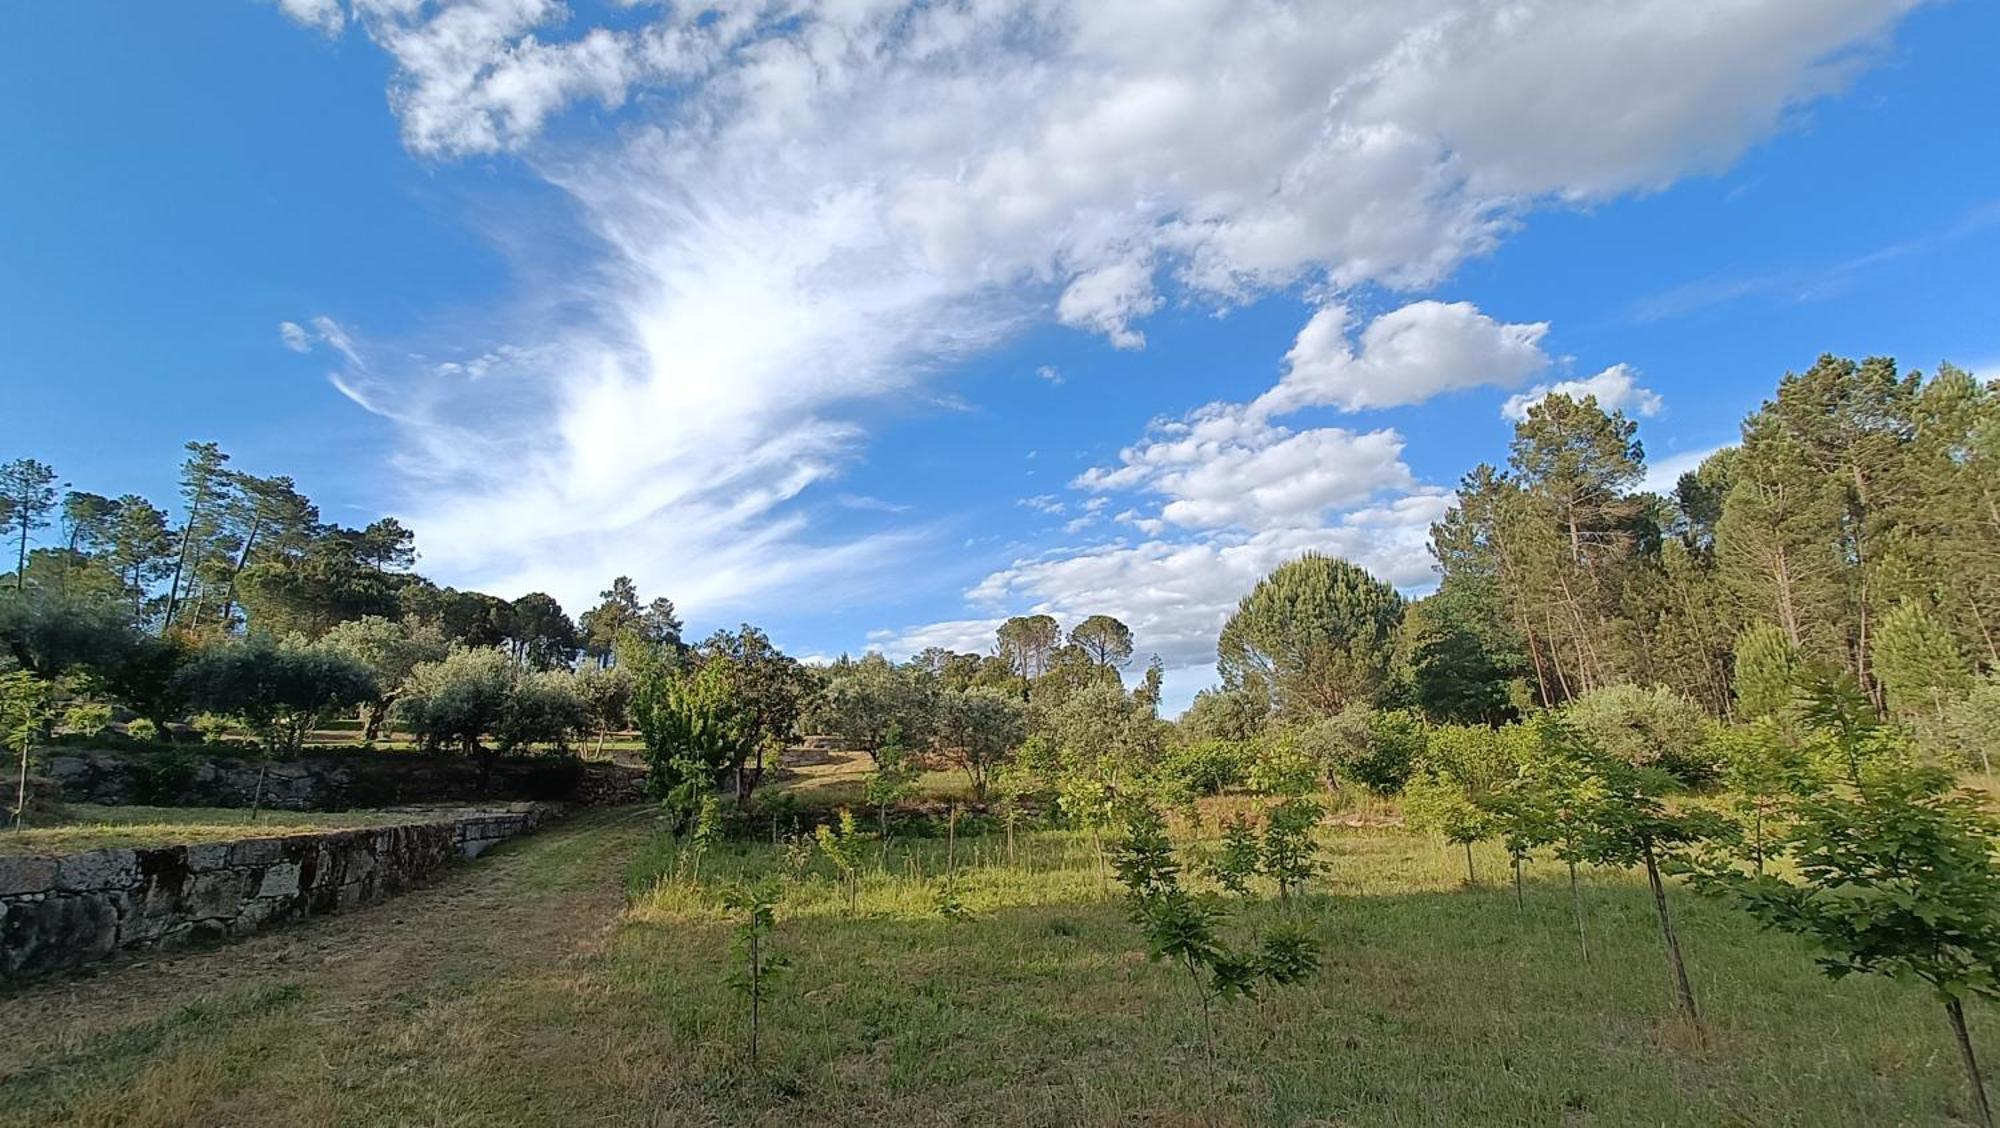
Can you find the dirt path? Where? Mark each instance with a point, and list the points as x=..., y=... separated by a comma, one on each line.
x=273, y=1029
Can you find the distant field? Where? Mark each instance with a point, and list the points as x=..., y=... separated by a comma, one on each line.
x=87, y=827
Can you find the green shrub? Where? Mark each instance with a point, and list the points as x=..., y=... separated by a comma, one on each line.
x=157, y=780
x=1376, y=748
x=1286, y=762
x=1647, y=727
x=1208, y=767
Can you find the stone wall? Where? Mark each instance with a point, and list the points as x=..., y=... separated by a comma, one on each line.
x=64, y=912
x=332, y=781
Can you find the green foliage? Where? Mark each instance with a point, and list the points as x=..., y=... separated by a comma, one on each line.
x=1647, y=727
x=1317, y=633
x=692, y=715
x=1763, y=767
x=840, y=846
x=161, y=777
x=1185, y=931
x=606, y=693
x=27, y=707
x=278, y=692
x=1289, y=854
x=1236, y=863
x=1106, y=641
x=1972, y=724
x=142, y=730
x=893, y=780
x=1207, y=767
x=1922, y=669
x=1450, y=794
x=392, y=650
x=87, y=718
x=1286, y=761
x=1376, y=748
x=754, y=969
x=474, y=697
x=705, y=833
x=978, y=729
x=1236, y=715
x=1892, y=875
x=872, y=703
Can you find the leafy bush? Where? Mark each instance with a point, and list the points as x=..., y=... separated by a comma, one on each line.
x=1647, y=727
x=1207, y=767
x=1376, y=748
x=87, y=718
x=1286, y=762
x=159, y=779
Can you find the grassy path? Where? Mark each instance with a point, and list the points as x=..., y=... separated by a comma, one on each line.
x=348, y=1019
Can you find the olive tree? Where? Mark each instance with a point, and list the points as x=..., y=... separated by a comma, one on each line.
x=278, y=692
x=978, y=729
x=390, y=649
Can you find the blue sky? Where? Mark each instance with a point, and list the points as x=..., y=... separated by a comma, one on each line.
x=831, y=319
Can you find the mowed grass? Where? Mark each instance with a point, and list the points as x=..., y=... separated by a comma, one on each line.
x=87, y=827
x=1437, y=1004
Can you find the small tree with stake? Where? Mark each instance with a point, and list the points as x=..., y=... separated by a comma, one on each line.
x=1629, y=825
x=1183, y=930
x=1290, y=854
x=1895, y=876
x=838, y=846
x=1549, y=804
x=25, y=712
x=756, y=968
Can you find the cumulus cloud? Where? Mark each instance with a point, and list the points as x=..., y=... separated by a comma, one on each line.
x=1220, y=467
x=806, y=206
x=1405, y=356
x=1617, y=388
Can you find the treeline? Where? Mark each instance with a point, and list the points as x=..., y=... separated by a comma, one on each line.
x=1855, y=528
x=250, y=554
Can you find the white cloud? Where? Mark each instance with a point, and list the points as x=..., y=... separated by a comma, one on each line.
x=966, y=636
x=1662, y=474
x=807, y=206
x=1405, y=356
x=1108, y=299
x=869, y=504
x=321, y=15
x=1617, y=388
x=1050, y=373
x=1218, y=467
x=294, y=336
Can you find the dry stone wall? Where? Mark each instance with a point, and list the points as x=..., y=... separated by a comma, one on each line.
x=58, y=913
x=334, y=781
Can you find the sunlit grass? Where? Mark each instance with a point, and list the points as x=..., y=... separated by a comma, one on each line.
x=87, y=827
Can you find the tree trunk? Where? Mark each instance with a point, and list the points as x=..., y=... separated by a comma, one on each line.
x=1683, y=990
x=21, y=793
x=1520, y=900
x=1955, y=1010
x=1576, y=907
x=1471, y=878
x=257, y=796
x=755, y=970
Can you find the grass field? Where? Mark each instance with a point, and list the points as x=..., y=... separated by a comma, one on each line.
x=87, y=827
x=539, y=1000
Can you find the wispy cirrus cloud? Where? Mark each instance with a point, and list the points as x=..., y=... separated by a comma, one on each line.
x=798, y=209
